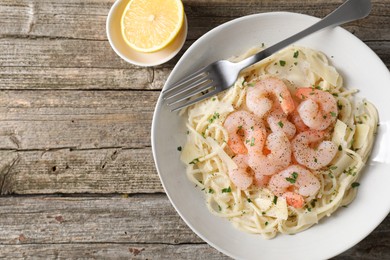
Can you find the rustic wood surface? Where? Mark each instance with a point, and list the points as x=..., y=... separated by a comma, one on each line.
x=77, y=177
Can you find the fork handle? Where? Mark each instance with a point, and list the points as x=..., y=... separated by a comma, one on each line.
x=349, y=11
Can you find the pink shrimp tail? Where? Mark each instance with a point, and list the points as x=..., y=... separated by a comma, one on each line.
x=293, y=199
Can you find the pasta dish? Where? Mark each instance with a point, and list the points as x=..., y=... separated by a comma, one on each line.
x=283, y=147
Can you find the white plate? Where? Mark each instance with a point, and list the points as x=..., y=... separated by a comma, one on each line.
x=361, y=69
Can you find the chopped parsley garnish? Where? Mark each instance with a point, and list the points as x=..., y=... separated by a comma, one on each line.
x=282, y=63
x=313, y=203
x=340, y=147
x=249, y=200
x=226, y=190
x=211, y=190
x=266, y=223
x=275, y=200
x=250, y=85
x=330, y=175
x=350, y=171
x=309, y=209
x=213, y=99
x=252, y=141
x=262, y=45
x=339, y=106
x=243, y=82
x=252, y=128
x=295, y=63
x=219, y=208
x=315, y=160
x=179, y=148
x=324, y=116
x=195, y=161
x=333, y=167
x=215, y=116
x=280, y=123
x=333, y=113
x=355, y=184
x=296, y=54
x=292, y=178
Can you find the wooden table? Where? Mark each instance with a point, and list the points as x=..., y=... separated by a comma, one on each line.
x=77, y=176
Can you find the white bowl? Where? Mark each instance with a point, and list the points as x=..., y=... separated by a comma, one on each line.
x=132, y=56
x=360, y=67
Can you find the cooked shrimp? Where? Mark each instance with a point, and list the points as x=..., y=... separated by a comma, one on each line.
x=266, y=92
x=245, y=132
x=276, y=155
x=308, y=152
x=278, y=122
x=294, y=199
x=261, y=180
x=294, y=183
x=318, y=109
x=298, y=122
x=242, y=177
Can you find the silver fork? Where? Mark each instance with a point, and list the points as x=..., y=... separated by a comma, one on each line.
x=221, y=75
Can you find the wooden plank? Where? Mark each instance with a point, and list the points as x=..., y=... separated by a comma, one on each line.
x=66, y=19
x=73, y=171
x=145, y=226
x=82, y=78
x=53, y=220
x=75, y=119
x=111, y=251
x=60, y=70
x=74, y=19
x=62, y=53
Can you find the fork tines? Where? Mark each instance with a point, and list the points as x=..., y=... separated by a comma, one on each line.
x=190, y=90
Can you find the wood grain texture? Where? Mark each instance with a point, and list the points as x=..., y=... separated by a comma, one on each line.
x=143, y=226
x=75, y=19
x=22, y=78
x=59, y=220
x=111, y=251
x=68, y=171
x=75, y=120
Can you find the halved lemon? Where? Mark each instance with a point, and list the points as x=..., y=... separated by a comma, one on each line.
x=150, y=25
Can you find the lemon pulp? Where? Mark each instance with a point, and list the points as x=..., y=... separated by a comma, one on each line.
x=150, y=25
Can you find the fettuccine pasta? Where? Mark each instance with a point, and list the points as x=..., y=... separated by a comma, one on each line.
x=263, y=198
